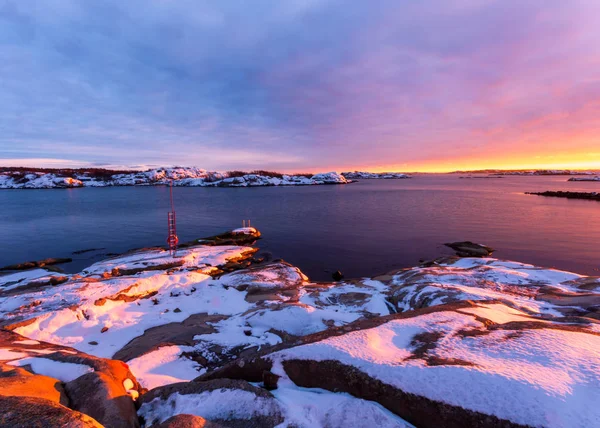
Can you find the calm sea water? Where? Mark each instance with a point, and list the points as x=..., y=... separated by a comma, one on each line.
x=362, y=229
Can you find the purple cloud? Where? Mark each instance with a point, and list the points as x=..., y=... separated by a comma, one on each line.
x=301, y=85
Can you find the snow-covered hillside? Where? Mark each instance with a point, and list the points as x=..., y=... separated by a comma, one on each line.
x=218, y=334
x=180, y=176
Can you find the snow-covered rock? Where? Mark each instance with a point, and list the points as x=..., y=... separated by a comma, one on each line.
x=485, y=360
x=179, y=176
x=362, y=175
x=455, y=342
x=246, y=231
x=38, y=181
x=329, y=178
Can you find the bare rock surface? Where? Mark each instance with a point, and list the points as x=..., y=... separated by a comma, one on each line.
x=187, y=421
x=177, y=333
x=18, y=382
x=104, y=398
x=33, y=412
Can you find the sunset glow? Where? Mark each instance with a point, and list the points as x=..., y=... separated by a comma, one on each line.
x=302, y=86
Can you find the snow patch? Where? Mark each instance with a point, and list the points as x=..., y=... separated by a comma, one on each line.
x=65, y=372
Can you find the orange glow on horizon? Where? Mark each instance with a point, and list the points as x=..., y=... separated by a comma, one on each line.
x=563, y=161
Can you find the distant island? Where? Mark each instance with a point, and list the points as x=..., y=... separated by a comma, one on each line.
x=361, y=175
x=42, y=178
x=500, y=172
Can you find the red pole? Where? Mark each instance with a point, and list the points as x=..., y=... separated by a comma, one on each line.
x=172, y=238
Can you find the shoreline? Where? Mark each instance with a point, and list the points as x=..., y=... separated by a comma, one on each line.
x=179, y=177
x=157, y=330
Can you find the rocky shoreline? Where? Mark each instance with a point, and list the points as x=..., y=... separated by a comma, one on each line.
x=218, y=337
x=178, y=176
x=590, y=196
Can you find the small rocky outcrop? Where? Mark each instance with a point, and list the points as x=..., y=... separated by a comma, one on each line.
x=329, y=178
x=266, y=278
x=470, y=249
x=337, y=275
x=34, y=412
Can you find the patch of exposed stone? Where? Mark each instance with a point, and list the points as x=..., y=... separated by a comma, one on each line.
x=188, y=421
x=177, y=333
x=18, y=382
x=35, y=412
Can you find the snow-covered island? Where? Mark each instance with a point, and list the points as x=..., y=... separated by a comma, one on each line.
x=179, y=176
x=218, y=337
x=533, y=172
x=362, y=175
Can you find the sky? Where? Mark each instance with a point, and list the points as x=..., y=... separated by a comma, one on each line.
x=301, y=85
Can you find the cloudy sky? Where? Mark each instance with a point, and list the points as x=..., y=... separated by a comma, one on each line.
x=301, y=85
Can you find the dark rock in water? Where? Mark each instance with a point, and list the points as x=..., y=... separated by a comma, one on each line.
x=188, y=421
x=337, y=276
x=39, y=412
x=590, y=196
x=89, y=250
x=470, y=249
x=37, y=264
